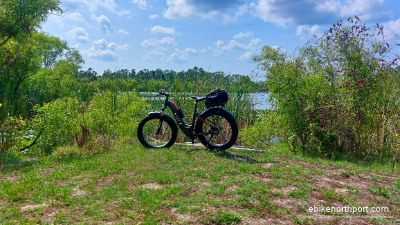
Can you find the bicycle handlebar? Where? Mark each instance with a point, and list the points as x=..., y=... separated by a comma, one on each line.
x=163, y=91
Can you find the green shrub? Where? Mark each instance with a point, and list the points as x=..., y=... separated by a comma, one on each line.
x=60, y=119
x=263, y=133
x=114, y=114
x=108, y=116
x=339, y=95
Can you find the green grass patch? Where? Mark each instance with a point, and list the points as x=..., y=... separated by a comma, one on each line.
x=133, y=185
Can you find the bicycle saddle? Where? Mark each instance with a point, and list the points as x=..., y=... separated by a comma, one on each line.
x=198, y=99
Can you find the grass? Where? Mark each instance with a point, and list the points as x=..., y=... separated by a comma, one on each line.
x=186, y=185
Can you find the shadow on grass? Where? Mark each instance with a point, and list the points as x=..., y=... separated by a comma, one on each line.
x=222, y=154
x=19, y=164
x=236, y=157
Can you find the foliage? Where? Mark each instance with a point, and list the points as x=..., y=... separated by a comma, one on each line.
x=13, y=135
x=150, y=80
x=23, y=50
x=24, y=53
x=61, y=119
x=263, y=133
x=114, y=114
x=339, y=95
x=108, y=116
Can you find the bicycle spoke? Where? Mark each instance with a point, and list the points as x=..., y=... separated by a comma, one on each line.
x=220, y=128
x=156, y=132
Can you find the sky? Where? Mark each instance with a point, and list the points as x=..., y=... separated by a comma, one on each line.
x=217, y=35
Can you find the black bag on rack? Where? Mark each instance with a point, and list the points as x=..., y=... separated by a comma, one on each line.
x=216, y=98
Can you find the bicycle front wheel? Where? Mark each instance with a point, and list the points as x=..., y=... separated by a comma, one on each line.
x=220, y=130
x=156, y=131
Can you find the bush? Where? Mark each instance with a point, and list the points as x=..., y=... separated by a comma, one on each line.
x=114, y=114
x=339, y=96
x=108, y=116
x=61, y=119
x=263, y=133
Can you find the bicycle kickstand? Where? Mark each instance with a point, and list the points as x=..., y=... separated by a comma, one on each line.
x=212, y=135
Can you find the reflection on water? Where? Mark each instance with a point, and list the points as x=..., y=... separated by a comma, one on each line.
x=261, y=100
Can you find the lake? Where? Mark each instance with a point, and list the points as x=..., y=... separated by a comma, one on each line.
x=260, y=99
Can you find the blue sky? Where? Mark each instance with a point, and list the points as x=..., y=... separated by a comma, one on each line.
x=218, y=35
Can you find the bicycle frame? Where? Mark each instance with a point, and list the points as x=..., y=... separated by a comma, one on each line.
x=186, y=129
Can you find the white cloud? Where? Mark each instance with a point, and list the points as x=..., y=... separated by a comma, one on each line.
x=203, y=51
x=93, y=5
x=124, y=47
x=142, y=4
x=75, y=17
x=154, y=42
x=245, y=56
x=306, y=32
x=329, y=6
x=154, y=16
x=234, y=45
x=104, y=51
x=164, y=30
x=249, y=49
x=243, y=9
x=182, y=9
x=124, y=32
x=103, y=22
x=113, y=46
x=78, y=34
x=391, y=29
x=363, y=8
x=209, y=15
x=190, y=51
x=154, y=54
x=243, y=35
x=178, y=9
x=177, y=56
x=228, y=19
x=300, y=12
x=219, y=43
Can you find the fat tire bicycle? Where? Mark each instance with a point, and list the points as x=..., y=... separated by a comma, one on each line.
x=216, y=127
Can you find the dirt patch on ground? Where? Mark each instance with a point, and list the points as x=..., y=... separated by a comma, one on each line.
x=80, y=193
x=268, y=165
x=231, y=189
x=154, y=186
x=107, y=181
x=49, y=215
x=285, y=190
x=262, y=178
x=47, y=171
x=182, y=217
x=32, y=207
x=11, y=179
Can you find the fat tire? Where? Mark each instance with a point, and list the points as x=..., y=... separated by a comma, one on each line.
x=231, y=120
x=166, y=118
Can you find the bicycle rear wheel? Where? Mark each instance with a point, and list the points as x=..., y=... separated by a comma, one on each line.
x=156, y=131
x=221, y=125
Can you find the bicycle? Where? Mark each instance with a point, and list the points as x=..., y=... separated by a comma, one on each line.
x=216, y=127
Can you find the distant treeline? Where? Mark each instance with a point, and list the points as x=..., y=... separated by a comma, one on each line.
x=152, y=80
